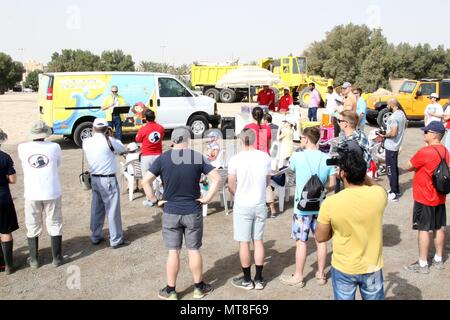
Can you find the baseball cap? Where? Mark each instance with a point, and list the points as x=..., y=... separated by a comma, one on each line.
x=286, y=88
x=435, y=126
x=100, y=123
x=213, y=134
x=346, y=85
x=132, y=147
x=434, y=95
x=181, y=135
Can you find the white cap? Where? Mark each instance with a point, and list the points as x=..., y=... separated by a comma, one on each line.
x=287, y=88
x=100, y=123
x=346, y=85
x=131, y=147
x=434, y=95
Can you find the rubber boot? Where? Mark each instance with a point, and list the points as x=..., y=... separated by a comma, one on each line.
x=7, y=248
x=58, y=259
x=33, y=246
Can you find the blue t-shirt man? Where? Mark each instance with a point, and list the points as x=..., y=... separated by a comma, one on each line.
x=361, y=107
x=305, y=164
x=180, y=172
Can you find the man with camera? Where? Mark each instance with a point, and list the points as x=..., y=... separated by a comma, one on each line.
x=352, y=139
x=396, y=127
x=100, y=151
x=354, y=219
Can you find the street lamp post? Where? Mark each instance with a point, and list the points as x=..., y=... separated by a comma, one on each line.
x=162, y=53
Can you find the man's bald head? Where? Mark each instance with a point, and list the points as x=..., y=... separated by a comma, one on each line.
x=393, y=103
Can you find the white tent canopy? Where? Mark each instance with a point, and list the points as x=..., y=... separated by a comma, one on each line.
x=248, y=76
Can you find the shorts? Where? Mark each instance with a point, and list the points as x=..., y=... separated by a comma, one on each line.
x=249, y=222
x=146, y=163
x=301, y=225
x=174, y=226
x=426, y=218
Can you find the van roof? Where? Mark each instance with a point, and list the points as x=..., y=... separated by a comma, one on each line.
x=107, y=73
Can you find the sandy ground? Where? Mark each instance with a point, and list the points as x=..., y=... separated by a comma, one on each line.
x=138, y=271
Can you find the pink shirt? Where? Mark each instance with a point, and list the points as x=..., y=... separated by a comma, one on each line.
x=314, y=101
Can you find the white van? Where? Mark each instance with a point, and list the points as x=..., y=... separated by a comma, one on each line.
x=69, y=102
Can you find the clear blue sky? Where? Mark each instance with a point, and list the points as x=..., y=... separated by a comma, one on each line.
x=207, y=30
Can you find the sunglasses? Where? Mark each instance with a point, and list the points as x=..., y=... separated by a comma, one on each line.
x=342, y=121
x=428, y=131
x=114, y=91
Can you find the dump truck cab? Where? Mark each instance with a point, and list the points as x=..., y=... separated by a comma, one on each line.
x=413, y=97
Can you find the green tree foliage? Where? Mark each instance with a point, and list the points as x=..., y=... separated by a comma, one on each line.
x=10, y=72
x=149, y=66
x=116, y=61
x=364, y=57
x=32, y=80
x=74, y=61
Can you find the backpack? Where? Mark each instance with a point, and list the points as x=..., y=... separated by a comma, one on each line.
x=441, y=176
x=313, y=193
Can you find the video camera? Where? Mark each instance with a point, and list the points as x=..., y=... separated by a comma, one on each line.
x=381, y=131
x=337, y=153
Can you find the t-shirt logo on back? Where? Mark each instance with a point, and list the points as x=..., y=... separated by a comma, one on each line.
x=38, y=161
x=154, y=137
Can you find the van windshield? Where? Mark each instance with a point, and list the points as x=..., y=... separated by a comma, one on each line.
x=408, y=86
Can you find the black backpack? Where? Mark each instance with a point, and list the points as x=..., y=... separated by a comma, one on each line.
x=441, y=176
x=313, y=193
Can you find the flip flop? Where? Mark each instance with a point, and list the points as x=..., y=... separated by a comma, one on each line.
x=290, y=281
x=321, y=281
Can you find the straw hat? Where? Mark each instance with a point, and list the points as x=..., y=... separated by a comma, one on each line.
x=40, y=130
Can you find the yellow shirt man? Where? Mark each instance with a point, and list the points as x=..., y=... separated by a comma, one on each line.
x=356, y=218
x=110, y=102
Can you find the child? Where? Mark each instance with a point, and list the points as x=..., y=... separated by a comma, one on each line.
x=286, y=138
x=133, y=154
x=214, y=151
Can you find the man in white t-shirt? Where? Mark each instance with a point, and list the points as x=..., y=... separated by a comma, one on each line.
x=40, y=162
x=332, y=104
x=248, y=178
x=434, y=111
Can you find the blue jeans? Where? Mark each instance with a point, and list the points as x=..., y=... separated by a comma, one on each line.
x=370, y=285
x=116, y=124
x=312, y=114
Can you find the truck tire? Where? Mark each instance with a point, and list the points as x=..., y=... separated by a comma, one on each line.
x=213, y=93
x=227, y=96
x=82, y=131
x=303, y=97
x=198, y=125
x=383, y=117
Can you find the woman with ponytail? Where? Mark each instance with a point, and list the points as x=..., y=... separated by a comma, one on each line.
x=262, y=131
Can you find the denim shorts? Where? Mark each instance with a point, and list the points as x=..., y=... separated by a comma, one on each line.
x=370, y=285
x=249, y=222
x=302, y=225
x=174, y=226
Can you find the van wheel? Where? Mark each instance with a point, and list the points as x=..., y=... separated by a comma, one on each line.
x=82, y=131
x=383, y=117
x=213, y=93
x=227, y=96
x=198, y=125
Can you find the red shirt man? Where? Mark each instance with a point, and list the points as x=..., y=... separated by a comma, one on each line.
x=151, y=136
x=266, y=97
x=285, y=101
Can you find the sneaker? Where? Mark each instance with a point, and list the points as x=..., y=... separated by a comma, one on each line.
x=260, y=284
x=241, y=283
x=124, y=243
x=148, y=204
x=201, y=293
x=393, y=197
x=438, y=265
x=163, y=294
x=416, y=268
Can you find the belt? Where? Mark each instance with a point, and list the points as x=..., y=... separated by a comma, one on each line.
x=104, y=176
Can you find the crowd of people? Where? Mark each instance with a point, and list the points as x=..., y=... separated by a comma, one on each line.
x=334, y=197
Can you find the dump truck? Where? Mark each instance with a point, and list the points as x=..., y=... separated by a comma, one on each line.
x=292, y=71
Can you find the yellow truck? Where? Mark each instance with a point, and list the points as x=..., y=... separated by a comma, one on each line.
x=292, y=71
x=413, y=97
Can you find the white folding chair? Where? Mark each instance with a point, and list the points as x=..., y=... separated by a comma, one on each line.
x=284, y=192
x=131, y=178
x=223, y=192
